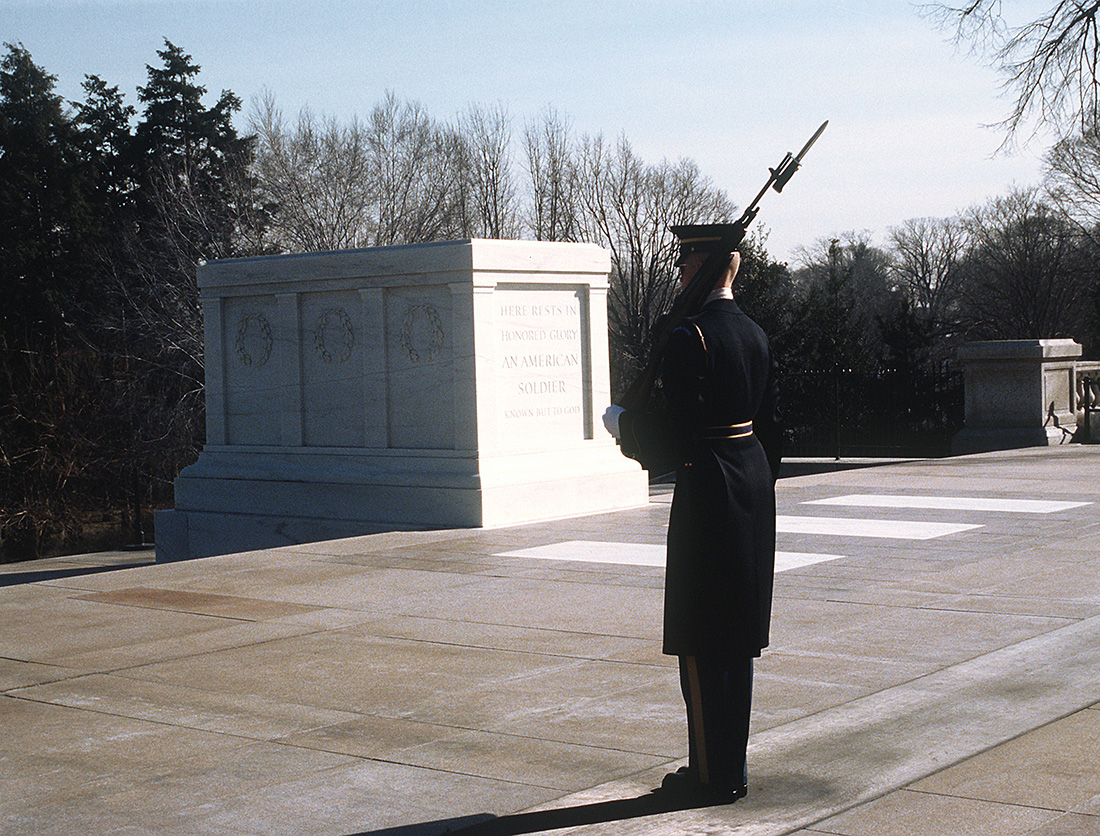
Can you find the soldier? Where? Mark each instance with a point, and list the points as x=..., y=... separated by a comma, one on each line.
x=718, y=426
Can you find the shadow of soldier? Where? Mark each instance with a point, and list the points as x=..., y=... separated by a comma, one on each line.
x=803, y=796
x=486, y=824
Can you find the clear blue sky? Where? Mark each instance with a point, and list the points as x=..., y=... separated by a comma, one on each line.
x=732, y=85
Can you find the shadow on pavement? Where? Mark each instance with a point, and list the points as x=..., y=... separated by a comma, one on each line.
x=16, y=578
x=489, y=825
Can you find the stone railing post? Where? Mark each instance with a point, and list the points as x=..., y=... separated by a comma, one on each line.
x=1018, y=393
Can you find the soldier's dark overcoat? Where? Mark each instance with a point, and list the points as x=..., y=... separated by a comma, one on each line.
x=718, y=373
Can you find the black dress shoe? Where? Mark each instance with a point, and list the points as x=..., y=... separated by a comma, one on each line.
x=684, y=786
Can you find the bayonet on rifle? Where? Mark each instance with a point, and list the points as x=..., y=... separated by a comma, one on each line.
x=779, y=177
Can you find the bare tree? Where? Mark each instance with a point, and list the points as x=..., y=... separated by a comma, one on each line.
x=1073, y=179
x=553, y=211
x=490, y=185
x=1049, y=63
x=314, y=176
x=397, y=178
x=627, y=207
x=1027, y=275
x=926, y=254
x=417, y=169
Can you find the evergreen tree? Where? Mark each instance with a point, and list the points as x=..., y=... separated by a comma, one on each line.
x=44, y=211
x=49, y=226
x=105, y=120
x=101, y=229
x=195, y=191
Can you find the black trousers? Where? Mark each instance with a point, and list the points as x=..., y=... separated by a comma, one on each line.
x=718, y=695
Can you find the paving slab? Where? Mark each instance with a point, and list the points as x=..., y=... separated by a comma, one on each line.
x=448, y=681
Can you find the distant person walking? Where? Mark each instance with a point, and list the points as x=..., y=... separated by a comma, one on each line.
x=717, y=424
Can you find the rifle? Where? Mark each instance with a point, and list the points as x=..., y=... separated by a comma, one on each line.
x=691, y=298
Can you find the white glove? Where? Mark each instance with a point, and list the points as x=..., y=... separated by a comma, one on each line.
x=611, y=419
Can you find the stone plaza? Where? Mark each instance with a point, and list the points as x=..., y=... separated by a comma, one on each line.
x=936, y=638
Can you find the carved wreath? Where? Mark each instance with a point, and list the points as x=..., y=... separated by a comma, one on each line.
x=334, y=336
x=428, y=318
x=253, y=329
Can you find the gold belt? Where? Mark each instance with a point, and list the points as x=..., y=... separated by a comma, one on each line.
x=727, y=431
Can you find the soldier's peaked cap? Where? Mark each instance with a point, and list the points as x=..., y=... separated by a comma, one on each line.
x=700, y=238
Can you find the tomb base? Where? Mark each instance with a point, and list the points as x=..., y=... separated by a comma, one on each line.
x=243, y=501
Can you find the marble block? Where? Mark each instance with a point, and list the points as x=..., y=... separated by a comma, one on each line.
x=439, y=385
x=1017, y=393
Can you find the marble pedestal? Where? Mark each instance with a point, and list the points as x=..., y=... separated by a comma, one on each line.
x=1018, y=393
x=441, y=385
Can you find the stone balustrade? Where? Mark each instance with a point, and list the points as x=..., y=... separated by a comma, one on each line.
x=1021, y=393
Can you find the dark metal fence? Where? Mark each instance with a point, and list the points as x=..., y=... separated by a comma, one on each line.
x=890, y=412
